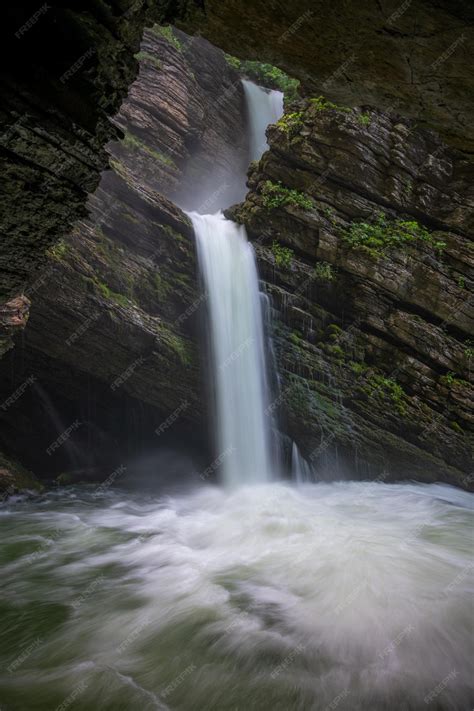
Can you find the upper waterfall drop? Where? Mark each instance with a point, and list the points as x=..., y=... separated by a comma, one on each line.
x=263, y=107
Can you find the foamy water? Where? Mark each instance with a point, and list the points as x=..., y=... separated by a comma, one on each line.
x=347, y=596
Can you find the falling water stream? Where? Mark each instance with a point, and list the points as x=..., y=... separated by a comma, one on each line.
x=268, y=596
x=228, y=267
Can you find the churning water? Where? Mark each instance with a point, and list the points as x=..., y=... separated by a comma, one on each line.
x=271, y=597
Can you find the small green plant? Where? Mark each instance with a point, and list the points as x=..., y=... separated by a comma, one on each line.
x=358, y=368
x=381, y=234
x=166, y=31
x=320, y=103
x=233, y=62
x=295, y=338
x=329, y=213
x=132, y=141
x=267, y=75
x=57, y=251
x=290, y=123
x=276, y=195
x=147, y=57
x=451, y=379
x=283, y=255
x=388, y=388
x=107, y=293
x=364, y=119
x=461, y=282
x=324, y=272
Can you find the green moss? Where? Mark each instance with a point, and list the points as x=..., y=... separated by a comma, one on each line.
x=461, y=282
x=324, y=272
x=131, y=141
x=358, y=368
x=451, y=379
x=295, y=338
x=364, y=119
x=456, y=427
x=130, y=218
x=178, y=345
x=267, y=75
x=233, y=62
x=147, y=57
x=291, y=123
x=171, y=232
x=381, y=234
x=166, y=31
x=283, y=255
x=58, y=250
x=276, y=195
x=335, y=351
x=321, y=104
x=107, y=293
x=329, y=213
x=380, y=386
x=159, y=286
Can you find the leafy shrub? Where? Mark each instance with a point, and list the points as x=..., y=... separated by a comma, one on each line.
x=276, y=195
x=324, y=272
x=58, y=250
x=364, y=119
x=147, y=57
x=290, y=123
x=267, y=75
x=166, y=31
x=283, y=255
x=322, y=104
x=388, y=388
x=382, y=234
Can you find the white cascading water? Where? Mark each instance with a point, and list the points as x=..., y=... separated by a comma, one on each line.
x=264, y=107
x=300, y=468
x=229, y=271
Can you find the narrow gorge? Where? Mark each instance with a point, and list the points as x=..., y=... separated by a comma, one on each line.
x=236, y=339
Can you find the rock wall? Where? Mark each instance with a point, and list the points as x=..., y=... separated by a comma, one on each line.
x=118, y=303
x=411, y=56
x=65, y=72
x=373, y=344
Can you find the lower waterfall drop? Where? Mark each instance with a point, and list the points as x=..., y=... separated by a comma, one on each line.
x=228, y=267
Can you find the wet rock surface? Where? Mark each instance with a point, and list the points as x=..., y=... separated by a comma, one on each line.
x=374, y=346
x=118, y=302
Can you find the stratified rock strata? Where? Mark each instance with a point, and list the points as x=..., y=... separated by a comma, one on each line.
x=373, y=344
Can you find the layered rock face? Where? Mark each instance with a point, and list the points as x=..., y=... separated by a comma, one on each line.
x=372, y=341
x=412, y=57
x=116, y=309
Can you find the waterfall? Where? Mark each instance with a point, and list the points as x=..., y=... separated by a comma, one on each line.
x=301, y=470
x=229, y=271
x=263, y=107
